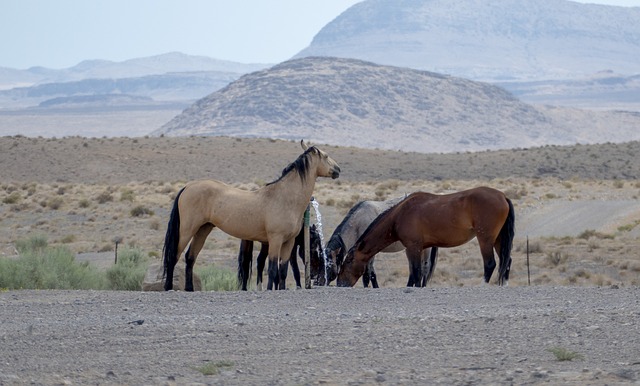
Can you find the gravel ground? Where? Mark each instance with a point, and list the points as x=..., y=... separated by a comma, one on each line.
x=450, y=336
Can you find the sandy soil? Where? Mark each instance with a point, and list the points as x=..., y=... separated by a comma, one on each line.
x=449, y=336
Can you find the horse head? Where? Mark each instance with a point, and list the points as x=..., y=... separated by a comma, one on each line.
x=351, y=270
x=326, y=167
x=335, y=251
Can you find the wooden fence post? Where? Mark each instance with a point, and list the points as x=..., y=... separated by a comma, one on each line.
x=307, y=251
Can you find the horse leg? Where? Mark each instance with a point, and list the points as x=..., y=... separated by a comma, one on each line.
x=293, y=260
x=245, y=256
x=273, y=270
x=283, y=267
x=192, y=254
x=372, y=274
x=184, y=237
x=414, y=255
x=262, y=257
x=286, y=250
x=486, y=249
x=365, y=277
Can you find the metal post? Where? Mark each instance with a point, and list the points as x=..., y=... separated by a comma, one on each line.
x=528, y=270
x=307, y=250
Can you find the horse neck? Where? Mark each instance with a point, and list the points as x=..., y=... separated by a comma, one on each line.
x=294, y=189
x=354, y=227
x=378, y=236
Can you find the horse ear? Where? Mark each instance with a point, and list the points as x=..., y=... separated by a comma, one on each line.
x=304, y=145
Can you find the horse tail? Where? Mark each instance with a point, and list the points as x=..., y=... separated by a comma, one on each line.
x=506, y=243
x=433, y=259
x=172, y=238
x=244, y=266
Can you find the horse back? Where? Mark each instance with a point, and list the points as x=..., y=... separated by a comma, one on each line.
x=358, y=220
x=450, y=220
x=235, y=211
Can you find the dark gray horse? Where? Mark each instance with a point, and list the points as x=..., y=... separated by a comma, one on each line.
x=245, y=259
x=353, y=225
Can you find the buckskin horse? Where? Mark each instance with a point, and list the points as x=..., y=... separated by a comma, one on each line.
x=359, y=217
x=272, y=214
x=424, y=220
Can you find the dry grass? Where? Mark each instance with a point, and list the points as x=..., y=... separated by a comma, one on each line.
x=87, y=213
x=85, y=222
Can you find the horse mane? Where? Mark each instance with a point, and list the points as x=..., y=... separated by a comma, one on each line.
x=346, y=218
x=335, y=242
x=300, y=165
x=381, y=217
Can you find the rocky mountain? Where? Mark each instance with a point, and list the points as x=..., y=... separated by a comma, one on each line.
x=496, y=40
x=355, y=103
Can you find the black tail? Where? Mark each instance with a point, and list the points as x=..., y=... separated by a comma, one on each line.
x=506, y=242
x=433, y=259
x=170, y=250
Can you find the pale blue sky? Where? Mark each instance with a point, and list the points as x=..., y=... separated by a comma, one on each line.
x=62, y=33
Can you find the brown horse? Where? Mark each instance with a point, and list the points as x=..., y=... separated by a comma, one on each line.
x=273, y=214
x=424, y=220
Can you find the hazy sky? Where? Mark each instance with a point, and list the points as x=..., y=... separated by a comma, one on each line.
x=62, y=33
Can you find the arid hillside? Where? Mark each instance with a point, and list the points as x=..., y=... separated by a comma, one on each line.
x=243, y=160
x=354, y=103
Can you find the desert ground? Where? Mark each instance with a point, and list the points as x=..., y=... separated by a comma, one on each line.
x=577, y=210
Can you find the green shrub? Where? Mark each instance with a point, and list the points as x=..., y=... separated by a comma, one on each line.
x=556, y=258
x=127, y=195
x=68, y=239
x=562, y=354
x=140, y=211
x=43, y=267
x=217, y=279
x=213, y=368
x=128, y=273
x=55, y=203
x=13, y=198
x=104, y=197
x=33, y=243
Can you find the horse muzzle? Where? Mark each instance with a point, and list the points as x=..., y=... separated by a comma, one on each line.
x=344, y=281
x=332, y=272
x=335, y=173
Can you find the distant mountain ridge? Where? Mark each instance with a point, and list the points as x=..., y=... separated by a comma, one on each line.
x=169, y=77
x=497, y=40
x=100, y=69
x=350, y=102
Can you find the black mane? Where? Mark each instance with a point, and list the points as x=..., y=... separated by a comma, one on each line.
x=374, y=223
x=300, y=165
x=346, y=218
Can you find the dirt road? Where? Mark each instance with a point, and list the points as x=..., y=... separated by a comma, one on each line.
x=468, y=335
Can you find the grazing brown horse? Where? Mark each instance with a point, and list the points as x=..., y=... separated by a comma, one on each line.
x=353, y=225
x=273, y=214
x=424, y=220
